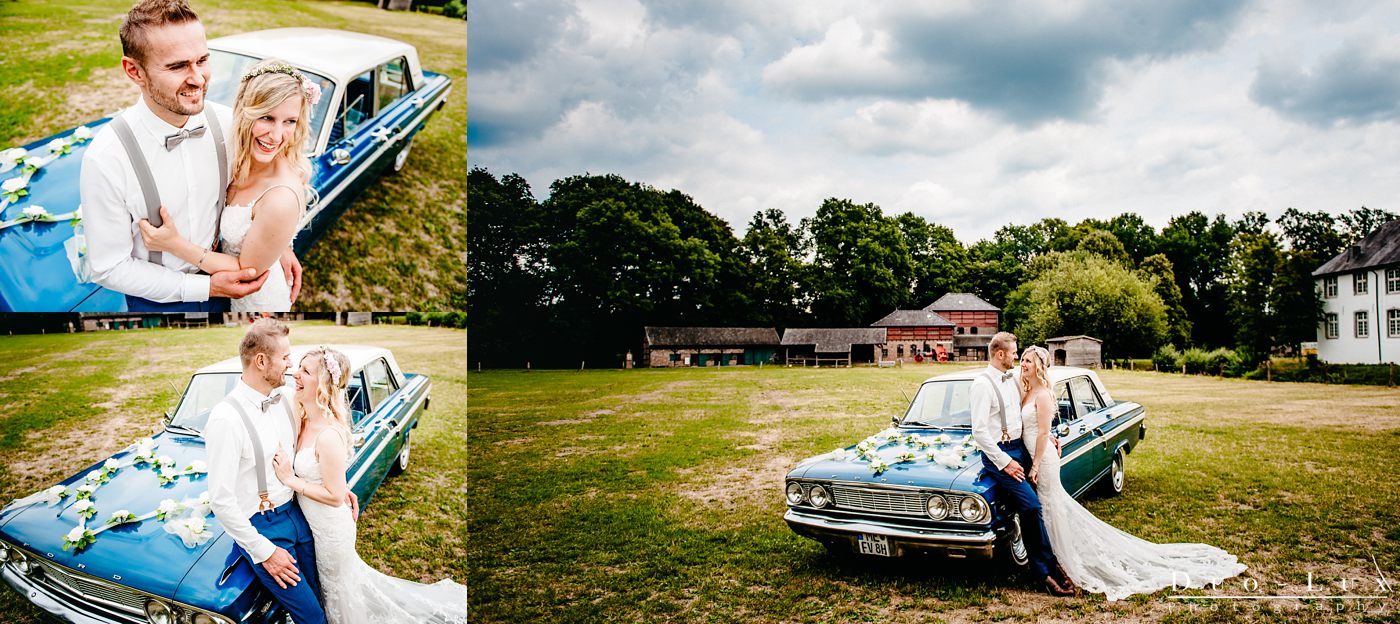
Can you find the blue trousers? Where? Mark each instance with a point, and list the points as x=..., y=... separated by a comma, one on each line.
x=287, y=528
x=1023, y=500
x=215, y=304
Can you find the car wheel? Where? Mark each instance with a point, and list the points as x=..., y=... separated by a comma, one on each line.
x=402, y=157
x=401, y=463
x=1117, y=474
x=1013, y=549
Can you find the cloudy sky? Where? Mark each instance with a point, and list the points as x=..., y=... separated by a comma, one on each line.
x=970, y=114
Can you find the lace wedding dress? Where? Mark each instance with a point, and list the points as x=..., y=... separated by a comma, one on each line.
x=354, y=593
x=1104, y=560
x=275, y=295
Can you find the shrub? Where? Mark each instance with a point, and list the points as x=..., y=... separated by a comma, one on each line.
x=1167, y=359
x=454, y=9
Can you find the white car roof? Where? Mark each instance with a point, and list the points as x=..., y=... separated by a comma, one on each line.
x=359, y=355
x=338, y=54
x=1056, y=374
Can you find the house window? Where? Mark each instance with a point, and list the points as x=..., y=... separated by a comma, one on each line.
x=1329, y=286
x=1363, y=325
x=1360, y=283
x=960, y=330
x=1392, y=323
x=974, y=330
x=1332, y=326
x=1392, y=280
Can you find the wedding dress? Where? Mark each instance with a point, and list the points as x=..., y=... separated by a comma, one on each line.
x=1105, y=560
x=351, y=591
x=275, y=295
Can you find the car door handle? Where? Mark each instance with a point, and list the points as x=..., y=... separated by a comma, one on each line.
x=359, y=440
x=340, y=156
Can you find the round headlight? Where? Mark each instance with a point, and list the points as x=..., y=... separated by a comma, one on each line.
x=4, y=553
x=818, y=496
x=973, y=508
x=158, y=612
x=937, y=507
x=23, y=564
x=794, y=493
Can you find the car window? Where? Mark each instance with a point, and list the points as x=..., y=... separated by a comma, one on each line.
x=1064, y=406
x=380, y=385
x=941, y=404
x=1086, y=399
x=226, y=71
x=356, y=108
x=201, y=395
x=393, y=82
x=358, y=399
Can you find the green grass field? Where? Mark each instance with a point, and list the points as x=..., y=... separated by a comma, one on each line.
x=69, y=400
x=656, y=495
x=400, y=246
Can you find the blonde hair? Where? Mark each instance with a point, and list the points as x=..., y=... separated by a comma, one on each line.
x=330, y=395
x=1002, y=341
x=257, y=96
x=261, y=338
x=1042, y=368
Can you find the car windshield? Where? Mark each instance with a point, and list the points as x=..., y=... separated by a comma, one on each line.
x=226, y=70
x=204, y=392
x=942, y=404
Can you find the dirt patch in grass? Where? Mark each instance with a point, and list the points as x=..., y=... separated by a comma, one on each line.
x=52, y=455
x=568, y=421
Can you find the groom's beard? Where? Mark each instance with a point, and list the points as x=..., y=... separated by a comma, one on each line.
x=172, y=104
x=272, y=380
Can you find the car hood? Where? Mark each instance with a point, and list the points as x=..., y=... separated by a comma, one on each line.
x=35, y=273
x=140, y=555
x=842, y=465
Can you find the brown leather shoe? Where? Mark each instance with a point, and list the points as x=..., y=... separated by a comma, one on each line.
x=1063, y=577
x=1054, y=587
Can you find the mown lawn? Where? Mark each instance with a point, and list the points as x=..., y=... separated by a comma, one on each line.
x=68, y=400
x=655, y=495
x=400, y=246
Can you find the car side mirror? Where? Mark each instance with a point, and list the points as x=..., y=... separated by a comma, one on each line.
x=1062, y=430
x=894, y=421
x=340, y=156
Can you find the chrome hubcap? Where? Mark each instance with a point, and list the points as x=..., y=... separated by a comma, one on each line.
x=1118, y=472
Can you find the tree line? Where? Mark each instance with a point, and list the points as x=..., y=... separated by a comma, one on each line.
x=575, y=277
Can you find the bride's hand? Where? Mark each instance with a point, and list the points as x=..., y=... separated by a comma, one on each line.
x=282, y=466
x=163, y=238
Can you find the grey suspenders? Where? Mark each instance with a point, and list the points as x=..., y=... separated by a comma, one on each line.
x=259, y=462
x=148, y=183
x=1001, y=405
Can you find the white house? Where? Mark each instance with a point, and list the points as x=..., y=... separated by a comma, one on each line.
x=1361, y=294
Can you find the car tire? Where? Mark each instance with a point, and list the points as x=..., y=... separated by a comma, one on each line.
x=401, y=462
x=1012, y=550
x=1117, y=475
x=402, y=157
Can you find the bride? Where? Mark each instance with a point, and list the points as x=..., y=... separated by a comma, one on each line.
x=267, y=193
x=351, y=591
x=1096, y=556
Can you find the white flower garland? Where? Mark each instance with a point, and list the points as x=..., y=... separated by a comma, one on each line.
x=940, y=449
x=184, y=519
x=14, y=189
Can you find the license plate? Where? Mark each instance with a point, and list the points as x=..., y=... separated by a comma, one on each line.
x=878, y=545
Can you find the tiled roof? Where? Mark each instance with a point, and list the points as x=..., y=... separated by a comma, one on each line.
x=1380, y=248
x=912, y=318
x=711, y=336
x=961, y=302
x=833, y=340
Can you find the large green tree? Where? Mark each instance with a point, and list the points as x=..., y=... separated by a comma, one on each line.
x=774, y=250
x=1254, y=263
x=506, y=268
x=1157, y=270
x=861, y=266
x=1081, y=293
x=940, y=261
x=1199, y=250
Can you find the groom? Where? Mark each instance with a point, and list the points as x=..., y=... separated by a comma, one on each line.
x=255, y=509
x=996, y=428
x=167, y=150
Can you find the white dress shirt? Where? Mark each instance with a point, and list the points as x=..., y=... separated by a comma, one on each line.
x=986, y=420
x=233, y=482
x=187, y=179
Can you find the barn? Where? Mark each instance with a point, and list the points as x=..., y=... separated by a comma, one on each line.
x=1075, y=351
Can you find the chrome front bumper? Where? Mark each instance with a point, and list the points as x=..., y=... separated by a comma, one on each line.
x=903, y=540
x=62, y=606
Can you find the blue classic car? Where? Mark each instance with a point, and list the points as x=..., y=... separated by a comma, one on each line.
x=919, y=486
x=375, y=99
x=131, y=538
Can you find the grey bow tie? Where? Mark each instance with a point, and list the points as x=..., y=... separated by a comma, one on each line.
x=179, y=137
x=1005, y=376
x=268, y=402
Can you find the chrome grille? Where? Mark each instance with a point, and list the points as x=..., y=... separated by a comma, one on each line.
x=872, y=499
x=55, y=576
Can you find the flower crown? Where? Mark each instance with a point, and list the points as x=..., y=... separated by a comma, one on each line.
x=309, y=88
x=1040, y=353
x=332, y=365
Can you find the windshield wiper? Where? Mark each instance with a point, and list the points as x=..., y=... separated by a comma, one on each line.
x=182, y=429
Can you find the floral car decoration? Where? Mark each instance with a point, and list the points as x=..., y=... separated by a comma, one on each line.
x=920, y=487
x=376, y=98
x=133, y=535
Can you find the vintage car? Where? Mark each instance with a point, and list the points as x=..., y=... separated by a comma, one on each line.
x=919, y=486
x=375, y=99
x=151, y=550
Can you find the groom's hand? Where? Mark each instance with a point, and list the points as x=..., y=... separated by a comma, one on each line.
x=236, y=284
x=1014, y=469
x=291, y=267
x=282, y=567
